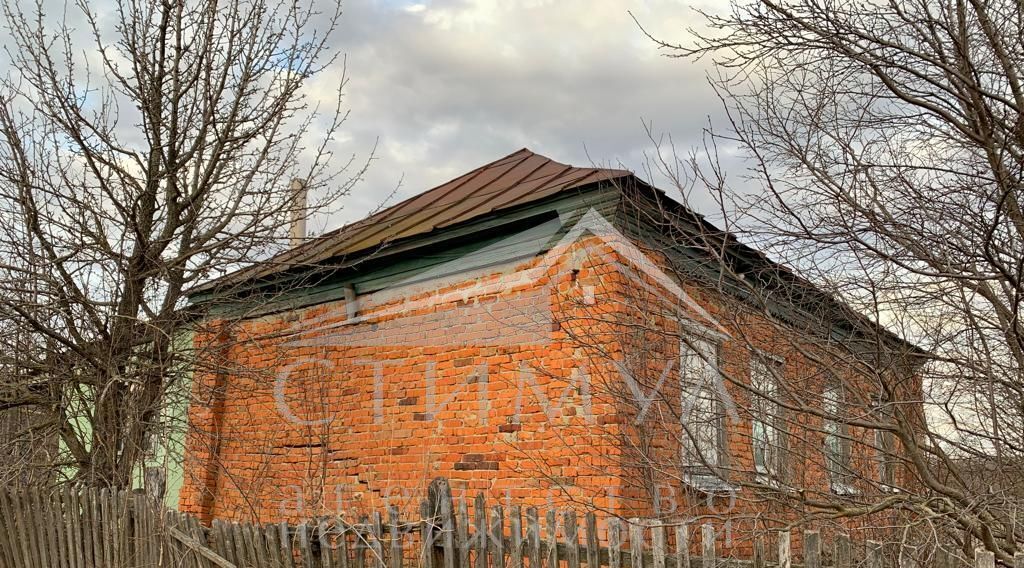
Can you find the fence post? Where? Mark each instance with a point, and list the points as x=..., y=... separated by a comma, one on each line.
x=533, y=536
x=614, y=544
x=844, y=552
x=396, y=537
x=593, y=542
x=444, y=497
x=682, y=546
x=572, y=540
x=758, y=560
x=785, y=552
x=812, y=549
x=498, y=537
x=428, y=533
x=636, y=543
x=984, y=559
x=658, y=543
x=1018, y=560
x=480, y=537
x=874, y=554
x=516, y=528
x=462, y=528
x=708, y=545
x=552, y=527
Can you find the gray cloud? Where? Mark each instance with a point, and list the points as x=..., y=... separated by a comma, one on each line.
x=449, y=85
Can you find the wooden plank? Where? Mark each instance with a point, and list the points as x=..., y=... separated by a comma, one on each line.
x=199, y=548
x=593, y=541
x=943, y=559
x=254, y=544
x=984, y=559
x=636, y=543
x=97, y=528
x=552, y=541
x=757, y=558
x=785, y=552
x=272, y=536
x=138, y=551
x=614, y=543
x=462, y=528
x=222, y=542
x=533, y=537
x=515, y=521
x=375, y=541
x=46, y=513
x=323, y=534
x=360, y=544
x=12, y=511
x=497, y=537
x=874, y=555
x=707, y=544
x=682, y=546
x=658, y=544
x=480, y=528
x=1018, y=560
x=396, y=538
x=33, y=527
x=56, y=510
x=812, y=549
x=42, y=527
x=572, y=540
x=106, y=526
x=447, y=525
x=242, y=553
x=24, y=530
x=305, y=545
x=284, y=534
x=428, y=535
x=341, y=552
x=6, y=532
x=844, y=552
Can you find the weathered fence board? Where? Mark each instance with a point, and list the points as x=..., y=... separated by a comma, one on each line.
x=76, y=528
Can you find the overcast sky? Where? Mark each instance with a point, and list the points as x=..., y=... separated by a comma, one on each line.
x=448, y=85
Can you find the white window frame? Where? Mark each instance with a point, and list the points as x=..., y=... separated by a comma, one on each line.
x=767, y=428
x=837, y=448
x=700, y=380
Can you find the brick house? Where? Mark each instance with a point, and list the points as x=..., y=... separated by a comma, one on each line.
x=545, y=334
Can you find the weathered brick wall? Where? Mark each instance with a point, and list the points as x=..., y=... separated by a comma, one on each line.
x=503, y=384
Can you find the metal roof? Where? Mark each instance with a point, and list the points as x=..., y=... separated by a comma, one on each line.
x=516, y=179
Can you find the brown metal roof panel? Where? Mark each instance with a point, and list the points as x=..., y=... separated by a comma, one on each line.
x=476, y=203
x=438, y=210
x=515, y=179
x=413, y=213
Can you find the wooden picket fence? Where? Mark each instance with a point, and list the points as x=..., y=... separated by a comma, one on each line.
x=77, y=528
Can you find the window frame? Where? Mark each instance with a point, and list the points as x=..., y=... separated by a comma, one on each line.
x=770, y=415
x=839, y=458
x=698, y=471
x=885, y=445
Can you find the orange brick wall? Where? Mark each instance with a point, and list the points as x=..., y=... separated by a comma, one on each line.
x=300, y=413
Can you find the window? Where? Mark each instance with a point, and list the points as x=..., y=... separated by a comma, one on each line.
x=702, y=417
x=767, y=434
x=837, y=439
x=885, y=444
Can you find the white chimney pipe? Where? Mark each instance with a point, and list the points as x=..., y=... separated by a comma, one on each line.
x=298, y=226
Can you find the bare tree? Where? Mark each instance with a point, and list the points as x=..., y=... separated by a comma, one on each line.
x=887, y=143
x=156, y=157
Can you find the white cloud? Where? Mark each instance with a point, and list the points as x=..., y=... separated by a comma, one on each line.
x=449, y=85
